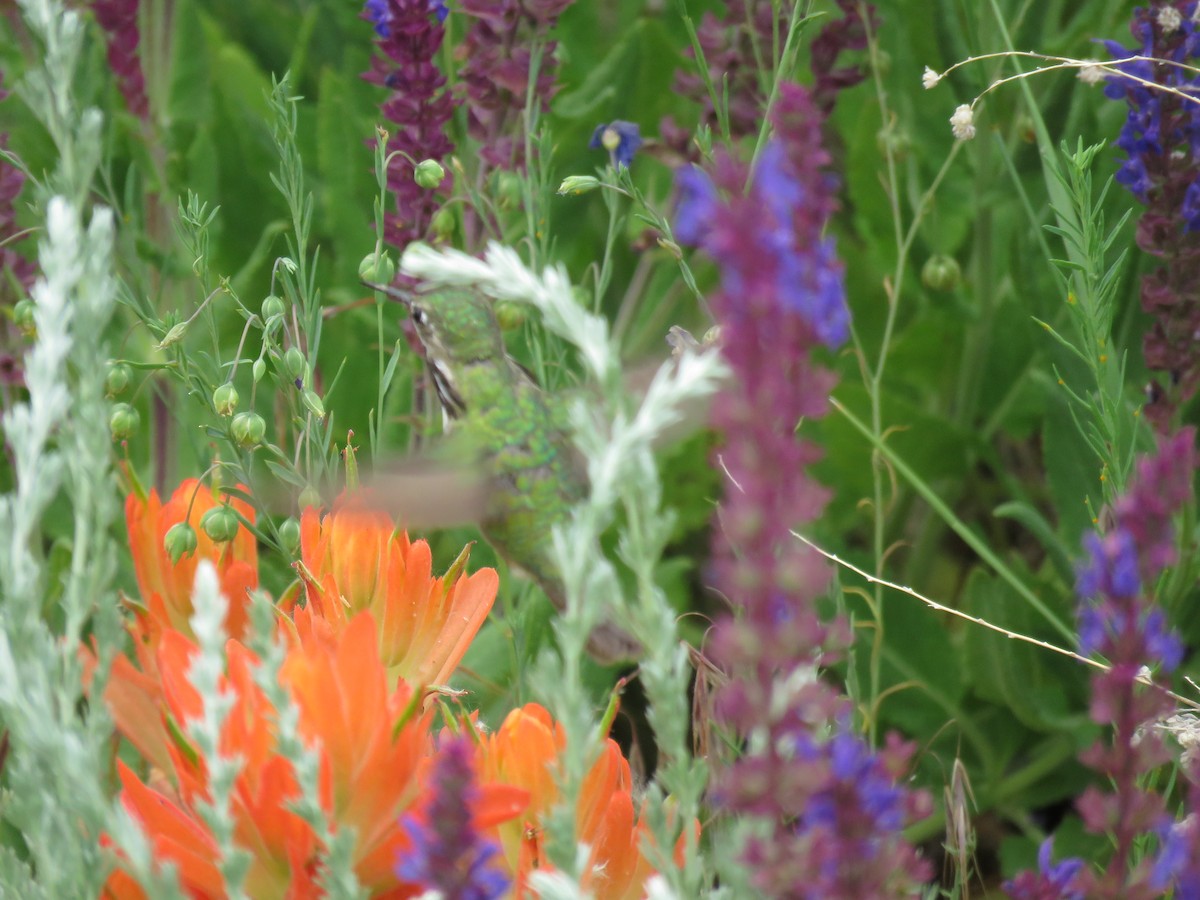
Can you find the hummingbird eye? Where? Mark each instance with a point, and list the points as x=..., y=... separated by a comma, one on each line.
x=419, y=316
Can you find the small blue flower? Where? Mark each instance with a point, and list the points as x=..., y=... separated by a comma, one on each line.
x=1111, y=566
x=1060, y=874
x=471, y=876
x=620, y=139
x=380, y=15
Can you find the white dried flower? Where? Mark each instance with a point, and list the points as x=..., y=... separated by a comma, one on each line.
x=1092, y=73
x=930, y=78
x=1169, y=19
x=962, y=123
x=1185, y=728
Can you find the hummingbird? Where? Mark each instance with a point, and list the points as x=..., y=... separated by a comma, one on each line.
x=503, y=422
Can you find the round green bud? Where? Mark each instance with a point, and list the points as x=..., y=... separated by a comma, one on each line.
x=429, y=173
x=941, y=273
x=310, y=497
x=294, y=363
x=225, y=399
x=123, y=421
x=117, y=380
x=259, y=369
x=23, y=316
x=508, y=187
x=272, y=307
x=180, y=540
x=443, y=224
x=220, y=523
x=289, y=535
x=377, y=269
x=248, y=429
x=511, y=315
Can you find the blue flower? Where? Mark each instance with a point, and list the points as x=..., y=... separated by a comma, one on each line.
x=378, y=13
x=1060, y=874
x=1111, y=567
x=620, y=139
x=470, y=876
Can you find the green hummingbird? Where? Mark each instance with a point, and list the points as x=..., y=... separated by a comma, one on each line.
x=501, y=420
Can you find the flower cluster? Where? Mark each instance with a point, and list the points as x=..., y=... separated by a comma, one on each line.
x=408, y=36
x=739, y=45
x=832, y=805
x=1162, y=169
x=119, y=19
x=730, y=46
x=461, y=814
x=497, y=60
x=1117, y=621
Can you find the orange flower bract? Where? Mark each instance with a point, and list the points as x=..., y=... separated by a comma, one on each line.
x=373, y=749
x=523, y=752
x=166, y=587
x=354, y=560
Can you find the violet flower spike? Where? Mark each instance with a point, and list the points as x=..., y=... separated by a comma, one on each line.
x=1118, y=621
x=831, y=808
x=409, y=36
x=446, y=853
x=1161, y=143
x=119, y=19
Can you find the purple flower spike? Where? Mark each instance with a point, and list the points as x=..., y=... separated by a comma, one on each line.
x=1117, y=621
x=409, y=37
x=832, y=809
x=119, y=19
x=446, y=853
x=1161, y=143
x=496, y=72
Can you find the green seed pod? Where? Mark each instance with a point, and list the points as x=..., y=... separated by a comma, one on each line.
x=429, y=173
x=220, y=523
x=259, y=369
x=248, y=429
x=310, y=497
x=941, y=273
x=225, y=399
x=578, y=184
x=272, y=307
x=314, y=404
x=180, y=539
x=117, y=380
x=511, y=315
x=289, y=535
x=444, y=223
x=294, y=363
x=377, y=269
x=123, y=421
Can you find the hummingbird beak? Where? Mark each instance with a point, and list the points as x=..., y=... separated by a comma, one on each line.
x=395, y=293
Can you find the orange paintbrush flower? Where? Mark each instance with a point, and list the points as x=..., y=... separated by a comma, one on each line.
x=373, y=747
x=166, y=586
x=524, y=752
x=354, y=560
